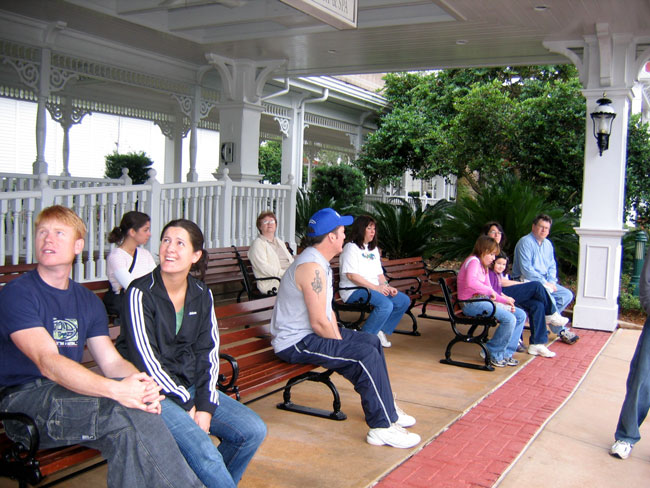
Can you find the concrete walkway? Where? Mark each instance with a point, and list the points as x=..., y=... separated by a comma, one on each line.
x=546, y=423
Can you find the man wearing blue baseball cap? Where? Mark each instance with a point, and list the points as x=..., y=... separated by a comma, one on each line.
x=304, y=330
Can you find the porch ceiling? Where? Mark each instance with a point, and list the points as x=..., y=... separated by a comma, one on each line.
x=391, y=35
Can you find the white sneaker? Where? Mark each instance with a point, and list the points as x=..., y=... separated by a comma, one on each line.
x=621, y=449
x=394, y=436
x=556, y=320
x=382, y=339
x=404, y=419
x=540, y=350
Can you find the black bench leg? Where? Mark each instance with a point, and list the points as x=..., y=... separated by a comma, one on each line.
x=414, y=322
x=324, y=378
x=448, y=360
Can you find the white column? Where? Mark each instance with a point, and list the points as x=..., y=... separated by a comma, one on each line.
x=240, y=124
x=242, y=84
x=40, y=166
x=609, y=66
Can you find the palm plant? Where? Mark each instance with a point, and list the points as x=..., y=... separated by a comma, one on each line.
x=307, y=204
x=404, y=231
x=514, y=204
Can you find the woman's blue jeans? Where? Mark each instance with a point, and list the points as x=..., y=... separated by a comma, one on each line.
x=387, y=310
x=240, y=430
x=506, y=337
x=637, y=397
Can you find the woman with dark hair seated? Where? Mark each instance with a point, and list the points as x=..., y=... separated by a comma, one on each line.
x=531, y=296
x=361, y=266
x=128, y=260
x=171, y=333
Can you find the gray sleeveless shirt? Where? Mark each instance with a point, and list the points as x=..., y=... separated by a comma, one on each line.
x=290, y=321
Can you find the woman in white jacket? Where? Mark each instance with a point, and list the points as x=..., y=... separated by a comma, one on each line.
x=268, y=254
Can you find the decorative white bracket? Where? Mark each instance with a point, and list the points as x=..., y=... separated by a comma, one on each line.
x=243, y=80
x=283, y=122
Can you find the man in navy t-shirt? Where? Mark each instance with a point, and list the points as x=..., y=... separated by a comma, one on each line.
x=46, y=320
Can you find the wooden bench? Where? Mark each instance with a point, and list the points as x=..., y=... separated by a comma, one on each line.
x=467, y=330
x=412, y=277
x=360, y=308
x=248, y=276
x=223, y=274
x=249, y=363
x=31, y=464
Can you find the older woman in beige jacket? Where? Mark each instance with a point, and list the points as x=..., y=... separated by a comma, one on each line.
x=268, y=254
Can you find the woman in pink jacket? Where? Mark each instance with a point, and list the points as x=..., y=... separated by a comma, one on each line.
x=473, y=282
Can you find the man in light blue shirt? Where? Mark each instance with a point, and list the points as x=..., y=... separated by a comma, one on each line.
x=535, y=261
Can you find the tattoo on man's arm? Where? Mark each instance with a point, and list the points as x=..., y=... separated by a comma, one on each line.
x=317, y=284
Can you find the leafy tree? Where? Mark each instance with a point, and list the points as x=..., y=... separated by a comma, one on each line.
x=477, y=123
x=514, y=204
x=342, y=183
x=637, y=188
x=138, y=164
x=270, y=161
x=548, y=142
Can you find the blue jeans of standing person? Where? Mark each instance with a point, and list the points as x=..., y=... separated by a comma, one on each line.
x=637, y=397
x=387, y=310
x=537, y=303
x=506, y=336
x=240, y=430
x=358, y=357
x=138, y=447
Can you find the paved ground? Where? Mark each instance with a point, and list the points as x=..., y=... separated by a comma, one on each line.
x=547, y=423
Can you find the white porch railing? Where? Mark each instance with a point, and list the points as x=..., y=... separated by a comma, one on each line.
x=225, y=210
x=22, y=182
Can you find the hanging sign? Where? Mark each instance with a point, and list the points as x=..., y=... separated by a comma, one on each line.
x=341, y=14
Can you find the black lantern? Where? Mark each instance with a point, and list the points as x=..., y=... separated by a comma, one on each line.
x=603, y=117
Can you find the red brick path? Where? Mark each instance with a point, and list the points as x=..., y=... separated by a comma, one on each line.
x=480, y=446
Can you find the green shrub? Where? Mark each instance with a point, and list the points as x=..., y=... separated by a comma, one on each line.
x=404, y=232
x=342, y=183
x=270, y=162
x=138, y=165
x=627, y=301
x=514, y=204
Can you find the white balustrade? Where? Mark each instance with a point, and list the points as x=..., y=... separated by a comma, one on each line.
x=225, y=210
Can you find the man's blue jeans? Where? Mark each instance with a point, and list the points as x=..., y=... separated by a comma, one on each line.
x=505, y=339
x=561, y=298
x=240, y=430
x=537, y=303
x=637, y=398
x=387, y=310
x=138, y=447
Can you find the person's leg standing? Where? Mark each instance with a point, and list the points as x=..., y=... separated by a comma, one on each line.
x=401, y=304
x=137, y=445
x=241, y=432
x=637, y=397
x=196, y=446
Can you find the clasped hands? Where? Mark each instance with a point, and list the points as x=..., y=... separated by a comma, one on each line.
x=387, y=290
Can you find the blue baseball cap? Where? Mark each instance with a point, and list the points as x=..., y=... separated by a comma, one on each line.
x=326, y=220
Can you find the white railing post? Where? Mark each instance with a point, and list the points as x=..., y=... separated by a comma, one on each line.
x=152, y=207
x=289, y=217
x=224, y=220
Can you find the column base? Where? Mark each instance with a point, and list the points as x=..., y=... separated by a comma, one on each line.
x=595, y=317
